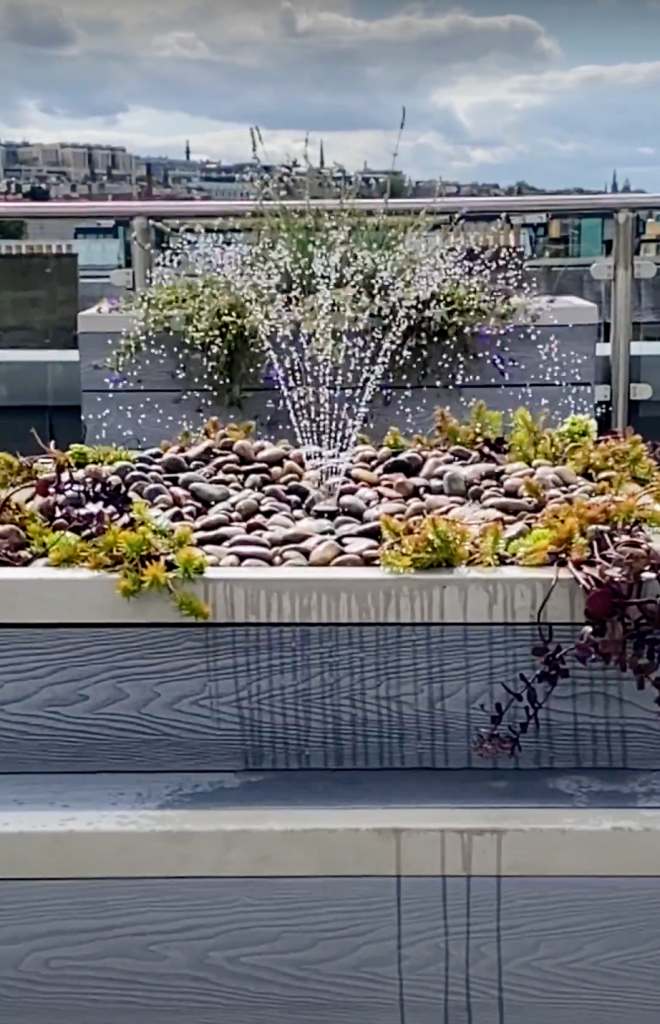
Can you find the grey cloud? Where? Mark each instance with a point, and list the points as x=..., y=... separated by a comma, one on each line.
x=453, y=36
x=341, y=67
x=295, y=84
x=38, y=26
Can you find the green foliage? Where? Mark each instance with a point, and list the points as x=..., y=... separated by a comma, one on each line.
x=577, y=429
x=561, y=533
x=483, y=424
x=82, y=455
x=14, y=230
x=531, y=439
x=395, y=440
x=622, y=457
x=215, y=340
x=488, y=548
x=14, y=471
x=435, y=543
x=146, y=556
x=534, y=549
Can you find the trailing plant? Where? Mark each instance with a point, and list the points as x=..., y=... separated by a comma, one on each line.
x=609, y=547
x=207, y=326
x=148, y=557
x=609, y=542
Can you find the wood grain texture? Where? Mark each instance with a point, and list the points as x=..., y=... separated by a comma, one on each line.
x=232, y=698
x=245, y=951
x=515, y=951
x=144, y=418
x=477, y=951
x=539, y=355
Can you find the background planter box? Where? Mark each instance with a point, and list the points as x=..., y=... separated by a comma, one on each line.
x=555, y=370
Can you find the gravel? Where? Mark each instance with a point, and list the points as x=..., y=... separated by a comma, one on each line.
x=252, y=503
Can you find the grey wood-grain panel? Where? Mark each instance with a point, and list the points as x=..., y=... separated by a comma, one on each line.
x=472, y=951
x=244, y=951
x=541, y=950
x=539, y=355
x=412, y=409
x=232, y=698
x=145, y=418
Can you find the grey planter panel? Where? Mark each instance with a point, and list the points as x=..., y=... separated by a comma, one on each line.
x=145, y=418
x=35, y=383
x=245, y=951
x=377, y=951
x=543, y=355
x=153, y=373
x=292, y=697
x=412, y=409
x=541, y=950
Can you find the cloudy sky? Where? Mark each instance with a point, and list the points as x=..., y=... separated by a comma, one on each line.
x=556, y=92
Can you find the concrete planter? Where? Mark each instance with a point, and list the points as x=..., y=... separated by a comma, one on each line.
x=553, y=369
x=168, y=854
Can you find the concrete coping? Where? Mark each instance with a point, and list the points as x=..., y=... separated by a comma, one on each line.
x=43, y=595
x=172, y=826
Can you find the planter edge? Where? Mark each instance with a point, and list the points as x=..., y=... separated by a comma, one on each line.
x=70, y=597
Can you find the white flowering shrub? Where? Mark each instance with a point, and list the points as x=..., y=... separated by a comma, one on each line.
x=331, y=302
x=339, y=300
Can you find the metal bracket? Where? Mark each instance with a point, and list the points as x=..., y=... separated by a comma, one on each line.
x=644, y=270
x=638, y=392
x=121, y=277
x=641, y=392
x=603, y=270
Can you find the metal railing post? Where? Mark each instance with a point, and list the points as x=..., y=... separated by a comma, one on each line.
x=621, y=320
x=141, y=252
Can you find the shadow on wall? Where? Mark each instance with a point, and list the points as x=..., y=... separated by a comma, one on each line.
x=62, y=425
x=38, y=301
x=38, y=310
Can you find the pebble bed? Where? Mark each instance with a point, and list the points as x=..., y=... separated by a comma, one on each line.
x=256, y=505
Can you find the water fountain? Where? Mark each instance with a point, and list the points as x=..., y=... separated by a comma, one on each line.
x=339, y=302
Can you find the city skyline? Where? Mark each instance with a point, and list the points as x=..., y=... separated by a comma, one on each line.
x=495, y=91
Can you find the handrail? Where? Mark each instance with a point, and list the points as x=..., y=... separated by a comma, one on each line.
x=194, y=209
